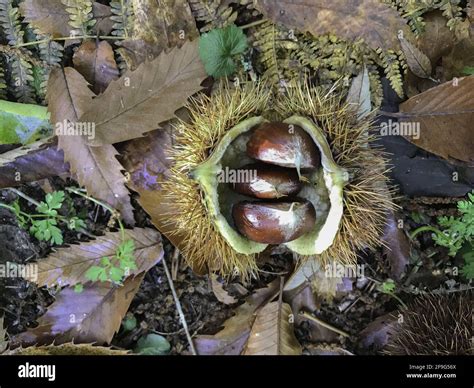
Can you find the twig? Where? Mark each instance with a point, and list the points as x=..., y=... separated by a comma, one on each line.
x=253, y=24
x=24, y=196
x=178, y=307
x=175, y=264
x=324, y=324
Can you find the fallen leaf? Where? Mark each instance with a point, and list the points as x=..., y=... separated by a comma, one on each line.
x=96, y=168
x=219, y=292
x=327, y=350
x=417, y=61
x=232, y=338
x=48, y=16
x=272, y=332
x=372, y=20
x=396, y=247
x=96, y=62
x=92, y=316
x=359, y=94
x=51, y=18
x=67, y=266
x=67, y=349
x=376, y=335
x=146, y=160
x=103, y=16
x=437, y=39
x=445, y=115
x=460, y=57
x=31, y=163
x=157, y=26
x=141, y=99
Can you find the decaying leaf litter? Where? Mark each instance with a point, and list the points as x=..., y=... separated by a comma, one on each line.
x=93, y=214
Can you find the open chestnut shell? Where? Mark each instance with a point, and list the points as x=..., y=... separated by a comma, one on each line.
x=268, y=181
x=274, y=222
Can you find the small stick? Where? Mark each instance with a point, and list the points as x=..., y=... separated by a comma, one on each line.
x=175, y=264
x=178, y=307
x=24, y=196
x=324, y=324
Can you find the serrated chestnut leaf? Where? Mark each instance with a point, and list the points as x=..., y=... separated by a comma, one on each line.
x=268, y=182
x=274, y=222
x=284, y=145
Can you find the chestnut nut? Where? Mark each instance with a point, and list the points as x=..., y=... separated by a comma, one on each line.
x=268, y=181
x=274, y=222
x=285, y=145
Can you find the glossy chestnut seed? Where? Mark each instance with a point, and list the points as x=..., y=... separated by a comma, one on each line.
x=274, y=222
x=267, y=181
x=285, y=145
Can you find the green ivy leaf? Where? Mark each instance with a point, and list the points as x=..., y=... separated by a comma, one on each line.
x=218, y=48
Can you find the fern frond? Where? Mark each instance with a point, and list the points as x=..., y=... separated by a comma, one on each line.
x=393, y=65
x=40, y=82
x=81, y=18
x=50, y=52
x=21, y=79
x=265, y=42
x=122, y=16
x=10, y=22
x=3, y=84
x=213, y=13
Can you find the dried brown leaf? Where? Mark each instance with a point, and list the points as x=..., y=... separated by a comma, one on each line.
x=445, y=115
x=417, y=61
x=372, y=20
x=157, y=26
x=67, y=266
x=68, y=349
x=141, y=99
x=31, y=163
x=396, y=247
x=232, y=338
x=437, y=39
x=96, y=168
x=219, y=292
x=96, y=62
x=48, y=16
x=92, y=316
x=272, y=333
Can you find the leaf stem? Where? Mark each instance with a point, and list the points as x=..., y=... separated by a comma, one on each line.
x=64, y=38
x=324, y=324
x=425, y=228
x=253, y=24
x=100, y=203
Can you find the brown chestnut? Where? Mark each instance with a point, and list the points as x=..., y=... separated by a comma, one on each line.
x=267, y=181
x=283, y=144
x=274, y=222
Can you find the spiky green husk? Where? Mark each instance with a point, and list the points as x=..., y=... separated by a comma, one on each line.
x=435, y=325
x=366, y=197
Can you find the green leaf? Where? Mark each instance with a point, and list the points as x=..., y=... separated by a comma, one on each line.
x=22, y=123
x=116, y=274
x=218, y=48
x=94, y=272
x=55, y=199
x=78, y=288
x=387, y=287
